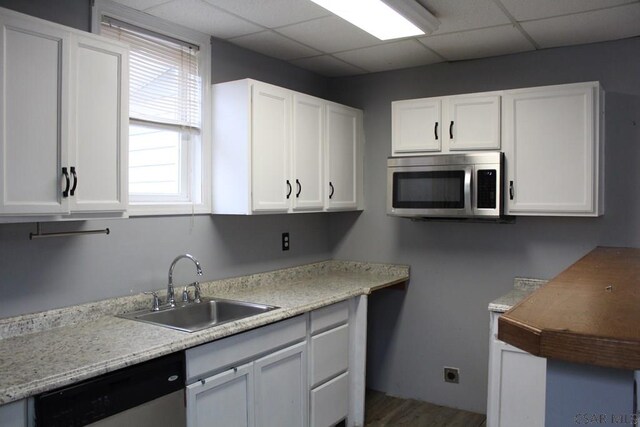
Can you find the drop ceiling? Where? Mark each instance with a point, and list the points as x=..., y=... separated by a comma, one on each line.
x=310, y=37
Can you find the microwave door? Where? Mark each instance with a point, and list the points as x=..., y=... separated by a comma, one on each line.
x=436, y=191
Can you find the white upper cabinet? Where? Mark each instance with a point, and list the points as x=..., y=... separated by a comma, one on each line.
x=417, y=126
x=34, y=124
x=343, y=163
x=308, y=143
x=554, y=150
x=271, y=141
x=473, y=123
x=277, y=151
x=441, y=125
x=100, y=123
x=63, y=126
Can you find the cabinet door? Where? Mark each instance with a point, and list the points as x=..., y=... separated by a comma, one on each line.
x=308, y=136
x=14, y=414
x=343, y=133
x=416, y=126
x=551, y=150
x=281, y=392
x=222, y=400
x=517, y=385
x=271, y=139
x=473, y=122
x=34, y=121
x=100, y=123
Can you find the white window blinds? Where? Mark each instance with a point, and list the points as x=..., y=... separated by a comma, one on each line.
x=164, y=83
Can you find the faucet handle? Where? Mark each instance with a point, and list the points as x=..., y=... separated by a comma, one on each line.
x=156, y=300
x=196, y=292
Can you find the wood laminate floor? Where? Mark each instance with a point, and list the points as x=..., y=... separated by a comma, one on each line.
x=386, y=411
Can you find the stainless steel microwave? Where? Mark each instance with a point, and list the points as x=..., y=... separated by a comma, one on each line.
x=446, y=186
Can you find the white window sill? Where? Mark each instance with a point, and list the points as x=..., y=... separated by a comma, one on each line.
x=151, y=209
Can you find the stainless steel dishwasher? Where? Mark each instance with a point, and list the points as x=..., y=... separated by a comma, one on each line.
x=149, y=394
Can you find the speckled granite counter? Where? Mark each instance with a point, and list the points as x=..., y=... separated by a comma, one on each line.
x=44, y=351
x=521, y=288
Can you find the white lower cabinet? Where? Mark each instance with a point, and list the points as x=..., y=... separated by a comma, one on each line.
x=14, y=414
x=267, y=392
x=257, y=378
x=225, y=399
x=329, y=402
x=280, y=388
x=517, y=384
x=296, y=372
x=329, y=365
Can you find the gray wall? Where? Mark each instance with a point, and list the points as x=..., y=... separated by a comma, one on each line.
x=47, y=273
x=458, y=268
x=73, y=13
x=230, y=61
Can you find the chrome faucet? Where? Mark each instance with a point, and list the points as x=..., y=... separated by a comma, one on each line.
x=171, y=300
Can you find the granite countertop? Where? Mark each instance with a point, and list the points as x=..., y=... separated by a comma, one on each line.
x=44, y=351
x=522, y=288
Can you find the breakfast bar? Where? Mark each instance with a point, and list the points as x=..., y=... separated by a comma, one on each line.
x=585, y=322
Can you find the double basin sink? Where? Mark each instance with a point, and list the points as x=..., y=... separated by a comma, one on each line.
x=195, y=316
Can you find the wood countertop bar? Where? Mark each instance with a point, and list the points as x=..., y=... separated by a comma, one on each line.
x=589, y=313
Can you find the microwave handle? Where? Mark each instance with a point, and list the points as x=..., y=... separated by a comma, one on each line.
x=468, y=190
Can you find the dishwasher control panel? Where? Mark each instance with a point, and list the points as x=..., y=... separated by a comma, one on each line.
x=109, y=394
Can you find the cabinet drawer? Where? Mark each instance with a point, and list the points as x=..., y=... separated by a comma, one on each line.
x=330, y=402
x=330, y=316
x=329, y=354
x=216, y=355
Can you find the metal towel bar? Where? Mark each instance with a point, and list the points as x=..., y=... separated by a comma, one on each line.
x=39, y=235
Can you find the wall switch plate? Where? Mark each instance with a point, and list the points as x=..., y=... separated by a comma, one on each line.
x=285, y=241
x=451, y=375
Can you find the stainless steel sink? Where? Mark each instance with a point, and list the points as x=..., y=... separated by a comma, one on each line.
x=194, y=317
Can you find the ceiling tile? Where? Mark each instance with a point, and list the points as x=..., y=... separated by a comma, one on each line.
x=525, y=10
x=460, y=15
x=329, y=34
x=481, y=43
x=200, y=16
x=273, y=44
x=390, y=56
x=273, y=13
x=142, y=4
x=607, y=24
x=327, y=65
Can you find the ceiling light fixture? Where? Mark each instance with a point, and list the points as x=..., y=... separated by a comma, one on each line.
x=388, y=19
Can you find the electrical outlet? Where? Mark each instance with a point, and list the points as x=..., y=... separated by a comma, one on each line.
x=285, y=241
x=451, y=375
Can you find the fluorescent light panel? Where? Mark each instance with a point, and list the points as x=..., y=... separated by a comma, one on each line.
x=373, y=16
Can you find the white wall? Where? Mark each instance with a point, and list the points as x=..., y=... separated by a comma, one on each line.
x=458, y=268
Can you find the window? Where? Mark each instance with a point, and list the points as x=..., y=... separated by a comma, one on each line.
x=167, y=95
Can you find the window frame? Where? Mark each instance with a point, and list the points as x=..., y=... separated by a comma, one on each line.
x=201, y=166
